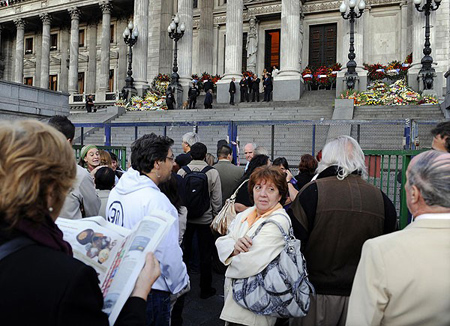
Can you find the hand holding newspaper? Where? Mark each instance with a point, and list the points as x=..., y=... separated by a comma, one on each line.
x=117, y=254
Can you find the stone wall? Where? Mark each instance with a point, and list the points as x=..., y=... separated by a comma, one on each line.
x=21, y=101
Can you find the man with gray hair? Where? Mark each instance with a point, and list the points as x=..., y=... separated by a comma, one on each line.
x=189, y=139
x=404, y=278
x=333, y=216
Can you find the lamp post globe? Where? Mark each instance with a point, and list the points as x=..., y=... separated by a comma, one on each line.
x=130, y=36
x=176, y=32
x=351, y=75
x=427, y=71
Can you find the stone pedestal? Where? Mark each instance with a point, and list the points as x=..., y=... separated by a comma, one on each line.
x=361, y=81
x=287, y=88
x=445, y=106
x=223, y=95
x=343, y=110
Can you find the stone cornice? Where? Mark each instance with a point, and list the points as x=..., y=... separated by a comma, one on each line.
x=251, y=11
x=323, y=6
x=33, y=8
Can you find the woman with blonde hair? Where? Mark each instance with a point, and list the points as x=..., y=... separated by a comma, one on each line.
x=41, y=283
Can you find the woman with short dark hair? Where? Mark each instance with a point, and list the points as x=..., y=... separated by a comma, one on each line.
x=245, y=256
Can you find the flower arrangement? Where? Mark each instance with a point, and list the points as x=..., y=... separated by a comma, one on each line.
x=375, y=71
x=324, y=76
x=380, y=93
x=307, y=75
x=162, y=78
x=321, y=76
x=394, y=70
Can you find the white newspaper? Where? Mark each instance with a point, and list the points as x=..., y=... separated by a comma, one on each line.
x=117, y=254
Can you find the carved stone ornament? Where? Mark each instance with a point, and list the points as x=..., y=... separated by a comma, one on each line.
x=262, y=10
x=106, y=7
x=20, y=23
x=74, y=13
x=46, y=18
x=29, y=63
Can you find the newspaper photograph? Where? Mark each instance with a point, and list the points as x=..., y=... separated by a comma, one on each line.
x=117, y=254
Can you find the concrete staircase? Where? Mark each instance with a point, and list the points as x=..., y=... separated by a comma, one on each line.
x=290, y=140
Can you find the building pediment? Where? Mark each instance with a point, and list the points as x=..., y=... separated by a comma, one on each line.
x=29, y=63
x=83, y=58
x=54, y=60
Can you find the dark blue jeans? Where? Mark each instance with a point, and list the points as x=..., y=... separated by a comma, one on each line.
x=158, y=308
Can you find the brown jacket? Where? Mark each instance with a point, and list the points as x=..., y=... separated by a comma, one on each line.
x=348, y=212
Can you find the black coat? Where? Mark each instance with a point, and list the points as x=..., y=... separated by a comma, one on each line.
x=255, y=84
x=232, y=88
x=208, y=85
x=208, y=99
x=42, y=286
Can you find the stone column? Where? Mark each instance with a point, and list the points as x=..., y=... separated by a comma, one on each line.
x=104, y=51
x=74, y=44
x=206, y=36
x=233, y=51
x=91, y=78
x=216, y=49
x=404, y=35
x=185, y=13
x=122, y=62
x=45, y=56
x=140, y=49
x=18, y=74
x=154, y=37
x=166, y=43
x=2, y=60
x=287, y=83
x=64, y=75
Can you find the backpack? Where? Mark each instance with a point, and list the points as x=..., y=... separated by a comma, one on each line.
x=196, y=194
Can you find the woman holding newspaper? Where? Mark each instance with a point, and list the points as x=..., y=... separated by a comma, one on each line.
x=40, y=282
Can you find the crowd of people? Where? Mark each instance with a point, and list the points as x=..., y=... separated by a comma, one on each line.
x=363, y=270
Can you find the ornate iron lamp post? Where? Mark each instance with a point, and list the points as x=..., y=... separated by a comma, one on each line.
x=351, y=73
x=176, y=32
x=427, y=71
x=130, y=36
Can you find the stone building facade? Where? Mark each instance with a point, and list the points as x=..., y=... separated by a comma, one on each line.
x=77, y=46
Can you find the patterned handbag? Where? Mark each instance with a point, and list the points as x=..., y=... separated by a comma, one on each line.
x=282, y=289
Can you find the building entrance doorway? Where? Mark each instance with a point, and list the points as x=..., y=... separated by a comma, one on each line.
x=322, y=45
x=272, y=50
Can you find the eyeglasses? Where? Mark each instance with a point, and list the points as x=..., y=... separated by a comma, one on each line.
x=171, y=158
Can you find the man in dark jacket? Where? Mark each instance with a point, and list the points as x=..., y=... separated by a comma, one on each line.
x=208, y=85
x=170, y=99
x=232, y=90
x=208, y=100
x=193, y=93
x=267, y=83
x=243, y=88
x=255, y=88
x=333, y=216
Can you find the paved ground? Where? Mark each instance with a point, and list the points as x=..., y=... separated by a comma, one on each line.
x=198, y=312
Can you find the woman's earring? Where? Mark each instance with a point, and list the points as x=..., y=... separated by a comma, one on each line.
x=50, y=209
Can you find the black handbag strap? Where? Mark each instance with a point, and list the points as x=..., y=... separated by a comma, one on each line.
x=14, y=245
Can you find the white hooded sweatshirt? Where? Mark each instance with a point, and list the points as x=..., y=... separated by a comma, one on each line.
x=134, y=197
